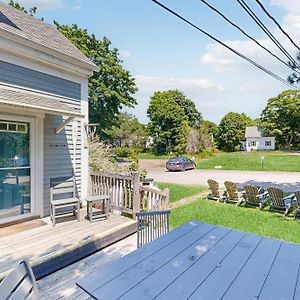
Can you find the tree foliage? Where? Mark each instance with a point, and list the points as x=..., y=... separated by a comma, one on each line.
x=281, y=117
x=169, y=124
x=32, y=11
x=112, y=87
x=128, y=131
x=232, y=130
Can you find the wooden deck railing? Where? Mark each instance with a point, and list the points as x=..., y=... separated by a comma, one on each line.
x=152, y=199
x=123, y=190
x=127, y=194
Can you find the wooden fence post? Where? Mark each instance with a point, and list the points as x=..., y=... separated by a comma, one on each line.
x=136, y=194
x=167, y=202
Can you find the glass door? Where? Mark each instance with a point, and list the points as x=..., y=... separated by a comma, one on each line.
x=15, y=195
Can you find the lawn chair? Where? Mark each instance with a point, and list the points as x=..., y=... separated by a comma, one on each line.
x=20, y=283
x=63, y=200
x=232, y=194
x=279, y=201
x=215, y=193
x=255, y=196
x=297, y=196
x=151, y=225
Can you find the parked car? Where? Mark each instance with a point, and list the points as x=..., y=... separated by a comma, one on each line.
x=180, y=164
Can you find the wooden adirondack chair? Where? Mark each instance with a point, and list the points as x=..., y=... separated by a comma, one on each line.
x=279, y=201
x=232, y=194
x=255, y=196
x=297, y=196
x=215, y=193
x=20, y=284
x=151, y=225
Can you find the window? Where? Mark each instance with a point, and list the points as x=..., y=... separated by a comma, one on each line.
x=13, y=127
x=268, y=143
x=253, y=143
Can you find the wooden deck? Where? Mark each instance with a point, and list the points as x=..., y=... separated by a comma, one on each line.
x=204, y=262
x=50, y=248
x=62, y=284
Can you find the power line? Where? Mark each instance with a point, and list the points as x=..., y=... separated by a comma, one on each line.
x=246, y=34
x=279, y=26
x=223, y=44
x=268, y=33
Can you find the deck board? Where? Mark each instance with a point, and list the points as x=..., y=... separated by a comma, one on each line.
x=62, y=284
x=46, y=242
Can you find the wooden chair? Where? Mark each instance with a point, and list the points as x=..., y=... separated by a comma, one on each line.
x=232, y=194
x=215, y=193
x=19, y=284
x=63, y=200
x=297, y=196
x=255, y=196
x=151, y=225
x=279, y=201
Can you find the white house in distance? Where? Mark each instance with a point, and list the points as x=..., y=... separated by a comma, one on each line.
x=256, y=140
x=43, y=112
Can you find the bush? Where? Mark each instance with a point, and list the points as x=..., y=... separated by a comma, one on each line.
x=122, y=151
x=101, y=159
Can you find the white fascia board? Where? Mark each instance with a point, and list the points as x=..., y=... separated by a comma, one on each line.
x=52, y=56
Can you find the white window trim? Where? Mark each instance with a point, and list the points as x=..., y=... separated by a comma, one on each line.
x=36, y=159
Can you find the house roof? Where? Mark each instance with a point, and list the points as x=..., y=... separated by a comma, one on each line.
x=18, y=23
x=13, y=97
x=254, y=132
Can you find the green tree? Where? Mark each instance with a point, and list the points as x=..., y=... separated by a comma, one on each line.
x=169, y=124
x=281, y=117
x=112, y=87
x=189, y=107
x=32, y=11
x=128, y=131
x=232, y=130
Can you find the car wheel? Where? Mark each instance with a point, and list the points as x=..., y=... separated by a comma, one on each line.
x=183, y=169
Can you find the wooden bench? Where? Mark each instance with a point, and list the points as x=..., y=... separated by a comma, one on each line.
x=63, y=200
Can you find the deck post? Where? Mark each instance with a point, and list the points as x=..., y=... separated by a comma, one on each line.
x=167, y=200
x=136, y=194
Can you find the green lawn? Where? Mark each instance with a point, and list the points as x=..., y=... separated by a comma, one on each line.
x=265, y=223
x=180, y=191
x=252, y=162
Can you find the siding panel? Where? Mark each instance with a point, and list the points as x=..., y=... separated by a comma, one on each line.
x=17, y=75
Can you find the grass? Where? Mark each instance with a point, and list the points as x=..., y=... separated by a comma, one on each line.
x=253, y=220
x=180, y=191
x=252, y=162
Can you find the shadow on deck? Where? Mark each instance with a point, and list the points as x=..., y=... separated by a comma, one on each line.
x=52, y=248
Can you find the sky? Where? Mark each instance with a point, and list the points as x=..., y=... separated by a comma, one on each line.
x=163, y=53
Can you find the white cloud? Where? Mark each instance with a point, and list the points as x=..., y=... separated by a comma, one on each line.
x=200, y=90
x=42, y=4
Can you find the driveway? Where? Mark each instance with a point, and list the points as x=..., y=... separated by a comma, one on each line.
x=287, y=181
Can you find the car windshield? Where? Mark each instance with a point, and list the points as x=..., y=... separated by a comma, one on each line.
x=174, y=159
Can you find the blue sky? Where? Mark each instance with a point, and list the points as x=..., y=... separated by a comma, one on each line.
x=162, y=52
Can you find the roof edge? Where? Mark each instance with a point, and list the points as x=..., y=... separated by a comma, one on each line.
x=32, y=44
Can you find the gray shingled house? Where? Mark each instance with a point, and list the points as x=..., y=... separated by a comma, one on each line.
x=43, y=112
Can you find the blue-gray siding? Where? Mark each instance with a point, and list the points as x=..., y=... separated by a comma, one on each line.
x=17, y=75
x=59, y=154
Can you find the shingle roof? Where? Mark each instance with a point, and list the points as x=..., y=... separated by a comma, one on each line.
x=17, y=22
x=254, y=132
x=26, y=99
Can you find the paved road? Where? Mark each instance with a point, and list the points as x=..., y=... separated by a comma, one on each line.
x=287, y=181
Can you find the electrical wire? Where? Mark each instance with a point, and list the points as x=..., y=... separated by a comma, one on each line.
x=223, y=44
x=251, y=13
x=278, y=25
x=247, y=35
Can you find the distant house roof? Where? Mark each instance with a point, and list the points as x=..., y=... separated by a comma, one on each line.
x=254, y=132
x=16, y=22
